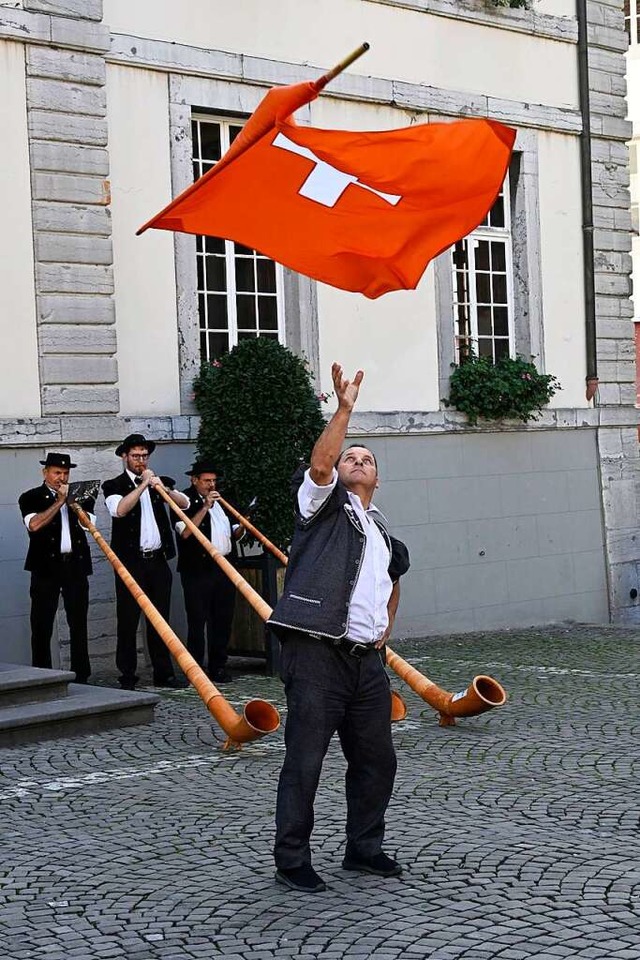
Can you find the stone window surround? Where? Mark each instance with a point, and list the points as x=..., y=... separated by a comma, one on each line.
x=187, y=95
x=527, y=271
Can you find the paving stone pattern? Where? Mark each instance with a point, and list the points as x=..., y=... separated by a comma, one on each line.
x=518, y=829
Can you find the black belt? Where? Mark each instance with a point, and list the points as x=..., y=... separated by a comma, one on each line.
x=150, y=554
x=66, y=557
x=352, y=647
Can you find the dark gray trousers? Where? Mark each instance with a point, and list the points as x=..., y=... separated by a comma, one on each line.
x=330, y=691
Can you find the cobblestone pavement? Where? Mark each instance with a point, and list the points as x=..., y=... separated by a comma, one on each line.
x=518, y=829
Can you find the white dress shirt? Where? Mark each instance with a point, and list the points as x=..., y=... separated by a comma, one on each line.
x=368, y=617
x=220, y=529
x=150, y=538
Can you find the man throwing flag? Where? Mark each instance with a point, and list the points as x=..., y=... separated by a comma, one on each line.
x=339, y=601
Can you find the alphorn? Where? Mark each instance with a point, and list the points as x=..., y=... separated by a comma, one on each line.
x=482, y=694
x=259, y=717
x=262, y=608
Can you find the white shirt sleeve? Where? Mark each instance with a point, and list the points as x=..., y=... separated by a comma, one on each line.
x=180, y=527
x=311, y=496
x=112, y=504
x=27, y=520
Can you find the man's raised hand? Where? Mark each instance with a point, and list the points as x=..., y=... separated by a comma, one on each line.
x=346, y=390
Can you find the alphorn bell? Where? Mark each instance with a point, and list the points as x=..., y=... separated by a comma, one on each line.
x=482, y=694
x=259, y=717
x=262, y=608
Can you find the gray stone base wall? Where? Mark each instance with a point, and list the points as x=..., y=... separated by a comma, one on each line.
x=504, y=530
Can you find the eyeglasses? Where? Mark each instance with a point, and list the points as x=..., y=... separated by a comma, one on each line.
x=138, y=456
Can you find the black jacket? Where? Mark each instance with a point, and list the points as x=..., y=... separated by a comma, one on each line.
x=192, y=557
x=44, y=545
x=125, y=531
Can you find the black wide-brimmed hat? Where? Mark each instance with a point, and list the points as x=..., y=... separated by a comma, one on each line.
x=135, y=440
x=203, y=466
x=58, y=460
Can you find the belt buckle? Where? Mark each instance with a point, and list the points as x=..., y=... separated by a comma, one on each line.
x=358, y=650
x=147, y=554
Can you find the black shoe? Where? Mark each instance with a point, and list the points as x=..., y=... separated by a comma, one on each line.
x=302, y=878
x=172, y=683
x=381, y=865
x=220, y=675
x=128, y=683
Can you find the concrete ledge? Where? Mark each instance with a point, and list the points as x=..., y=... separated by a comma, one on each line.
x=108, y=429
x=86, y=709
x=20, y=684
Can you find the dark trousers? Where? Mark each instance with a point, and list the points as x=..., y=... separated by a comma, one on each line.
x=68, y=579
x=327, y=691
x=154, y=578
x=209, y=599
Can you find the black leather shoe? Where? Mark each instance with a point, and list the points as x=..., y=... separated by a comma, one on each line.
x=172, y=683
x=128, y=683
x=381, y=865
x=220, y=675
x=302, y=878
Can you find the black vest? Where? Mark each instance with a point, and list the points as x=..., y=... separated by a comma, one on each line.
x=44, y=545
x=324, y=565
x=125, y=531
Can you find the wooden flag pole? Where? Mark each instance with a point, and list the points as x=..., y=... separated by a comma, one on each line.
x=259, y=716
x=322, y=81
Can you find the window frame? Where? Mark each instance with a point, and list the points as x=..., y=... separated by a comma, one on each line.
x=526, y=274
x=233, y=254
x=488, y=233
x=188, y=94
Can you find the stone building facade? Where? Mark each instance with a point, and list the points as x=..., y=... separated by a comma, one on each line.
x=508, y=524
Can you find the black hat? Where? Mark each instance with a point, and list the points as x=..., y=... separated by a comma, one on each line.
x=58, y=460
x=134, y=440
x=203, y=466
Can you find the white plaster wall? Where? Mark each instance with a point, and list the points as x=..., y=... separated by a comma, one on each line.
x=393, y=339
x=562, y=266
x=19, y=380
x=147, y=329
x=405, y=44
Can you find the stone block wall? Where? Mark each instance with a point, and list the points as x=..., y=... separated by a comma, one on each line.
x=619, y=451
x=67, y=122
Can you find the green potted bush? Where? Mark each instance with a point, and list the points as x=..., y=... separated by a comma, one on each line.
x=510, y=389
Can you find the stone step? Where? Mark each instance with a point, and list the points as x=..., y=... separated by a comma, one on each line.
x=20, y=684
x=38, y=704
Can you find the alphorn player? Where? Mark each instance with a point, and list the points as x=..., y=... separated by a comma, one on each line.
x=141, y=537
x=340, y=597
x=60, y=563
x=209, y=594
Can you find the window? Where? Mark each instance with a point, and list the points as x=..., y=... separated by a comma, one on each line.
x=632, y=20
x=483, y=286
x=239, y=290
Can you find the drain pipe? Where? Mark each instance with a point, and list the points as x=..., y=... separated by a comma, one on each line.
x=587, y=201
